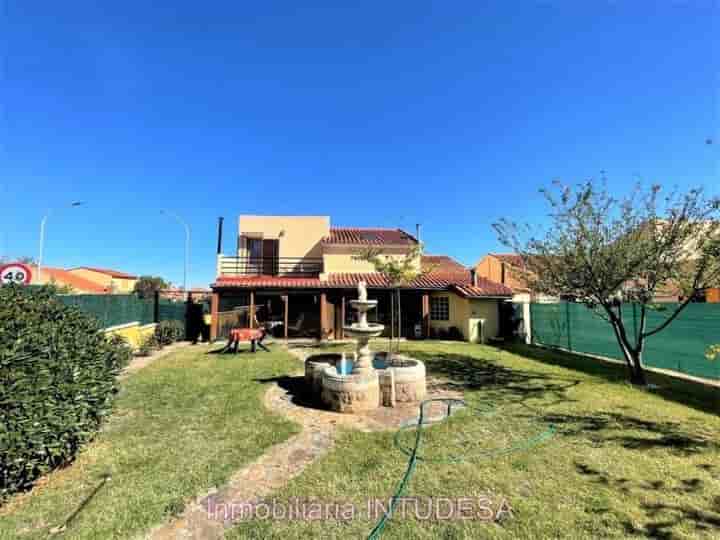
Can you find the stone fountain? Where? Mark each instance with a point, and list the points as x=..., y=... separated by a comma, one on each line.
x=370, y=383
x=360, y=389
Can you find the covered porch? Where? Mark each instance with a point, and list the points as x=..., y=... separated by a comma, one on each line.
x=315, y=313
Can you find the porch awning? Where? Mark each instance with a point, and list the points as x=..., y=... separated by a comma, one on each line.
x=374, y=280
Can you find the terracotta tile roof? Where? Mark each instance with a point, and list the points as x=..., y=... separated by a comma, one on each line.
x=442, y=263
x=106, y=271
x=484, y=288
x=63, y=277
x=359, y=236
x=277, y=282
x=374, y=280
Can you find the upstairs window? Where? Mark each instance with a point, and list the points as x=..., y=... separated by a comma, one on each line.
x=439, y=308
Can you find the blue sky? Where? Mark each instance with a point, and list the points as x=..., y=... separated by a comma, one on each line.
x=451, y=114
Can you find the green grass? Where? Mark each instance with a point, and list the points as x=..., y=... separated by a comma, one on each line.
x=181, y=425
x=625, y=462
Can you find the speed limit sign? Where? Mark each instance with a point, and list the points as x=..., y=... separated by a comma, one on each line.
x=17, y=273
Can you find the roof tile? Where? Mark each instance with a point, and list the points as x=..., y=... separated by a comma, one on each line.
x=359, y=236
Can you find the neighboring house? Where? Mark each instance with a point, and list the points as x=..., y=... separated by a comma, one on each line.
x=114, y=280
x=297, y=274
x=63, y=278
x=507, y=269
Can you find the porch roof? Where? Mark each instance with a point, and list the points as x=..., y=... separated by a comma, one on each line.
x=437, y=281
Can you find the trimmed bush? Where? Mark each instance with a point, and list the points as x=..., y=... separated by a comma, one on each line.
x=167, y=332
x=58, y=375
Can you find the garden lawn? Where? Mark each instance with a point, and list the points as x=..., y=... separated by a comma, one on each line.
x=181, y=425
x=624, y=462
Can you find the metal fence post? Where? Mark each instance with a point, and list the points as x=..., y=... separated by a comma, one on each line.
x=527, y=318
x=567, y=324
x=156, y=307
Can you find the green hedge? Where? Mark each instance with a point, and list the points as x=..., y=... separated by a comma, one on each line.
x=58, y=375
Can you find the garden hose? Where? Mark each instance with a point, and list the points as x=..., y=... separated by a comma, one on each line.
x=414, y=456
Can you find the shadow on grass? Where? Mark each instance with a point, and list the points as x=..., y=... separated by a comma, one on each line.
x=661, y=517
x=632, y=433
x=296, y=389
x=693, y=394
x=496, y=382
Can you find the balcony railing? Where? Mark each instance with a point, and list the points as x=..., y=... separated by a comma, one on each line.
x=271, y=266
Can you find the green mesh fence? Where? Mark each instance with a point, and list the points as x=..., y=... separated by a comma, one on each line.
x=115, y=309
x=112, y=309
x=171, y=311
x=679, y=347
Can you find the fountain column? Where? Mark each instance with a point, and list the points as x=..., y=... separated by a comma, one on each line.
x=360, y=390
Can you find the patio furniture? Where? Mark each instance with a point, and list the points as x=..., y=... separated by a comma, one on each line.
x=296, y=327
x=254, y=335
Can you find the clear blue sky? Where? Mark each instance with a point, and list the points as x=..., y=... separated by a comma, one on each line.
x=451, y=114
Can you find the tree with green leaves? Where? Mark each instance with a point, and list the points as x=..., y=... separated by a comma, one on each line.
x=400, y=271
x=146, y=286
x=602, y=250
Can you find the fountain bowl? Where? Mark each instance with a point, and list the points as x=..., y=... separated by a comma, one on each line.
x=371, y=330
x=363, y=305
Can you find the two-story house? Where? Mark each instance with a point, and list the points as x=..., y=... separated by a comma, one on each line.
x=296, y=275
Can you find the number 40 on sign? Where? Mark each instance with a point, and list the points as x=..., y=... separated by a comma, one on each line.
x=17, y=273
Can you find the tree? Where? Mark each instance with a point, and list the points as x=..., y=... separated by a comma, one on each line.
x=401, y=272
x=146, y=286
x=601, y=250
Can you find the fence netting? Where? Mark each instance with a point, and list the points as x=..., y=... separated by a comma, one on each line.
x=681, y=346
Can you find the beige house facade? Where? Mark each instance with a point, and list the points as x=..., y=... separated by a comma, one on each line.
x=297, y=274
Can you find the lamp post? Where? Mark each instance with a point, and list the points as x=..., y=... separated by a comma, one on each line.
x=43, y=222
x=187, y=244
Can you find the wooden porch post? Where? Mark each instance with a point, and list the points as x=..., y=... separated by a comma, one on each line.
x=426, y=314
x=252, y=309
x=342, y=317
x=323, y=315
x=214, y=306
x=286, y=299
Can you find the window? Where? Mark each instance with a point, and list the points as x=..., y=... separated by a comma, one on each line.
x=254, y=248
x=439, y=308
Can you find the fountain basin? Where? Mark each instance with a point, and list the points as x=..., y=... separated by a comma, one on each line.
x=403, y=382
x=350, y=393
x=408, y=378
x=314, y=367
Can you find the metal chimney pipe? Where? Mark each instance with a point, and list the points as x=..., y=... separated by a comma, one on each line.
x=219, y=235
x=473, y=277
x=417, y=232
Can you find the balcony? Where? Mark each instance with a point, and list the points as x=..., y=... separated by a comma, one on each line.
x=271, y=266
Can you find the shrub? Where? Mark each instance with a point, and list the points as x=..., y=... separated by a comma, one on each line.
x=58, y=375
x=148, y=345
x=167, y=332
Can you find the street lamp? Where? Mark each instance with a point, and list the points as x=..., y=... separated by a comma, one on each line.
x=187, y=244
x=42, y=236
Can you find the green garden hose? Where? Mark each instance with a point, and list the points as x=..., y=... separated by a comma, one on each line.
x=414, y=455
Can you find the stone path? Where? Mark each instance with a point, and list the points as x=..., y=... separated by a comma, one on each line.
x=209, y=516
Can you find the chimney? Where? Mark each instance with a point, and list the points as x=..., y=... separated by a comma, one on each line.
x=417, y=232
x=473, y=277
x=219, y=235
